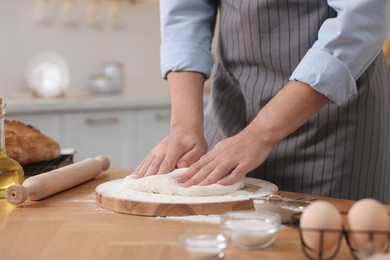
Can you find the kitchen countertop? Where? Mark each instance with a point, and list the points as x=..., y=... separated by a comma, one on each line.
x=69, y=225
x=25, y=103
x=77, y=103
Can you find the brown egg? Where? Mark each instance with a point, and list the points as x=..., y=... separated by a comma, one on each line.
x=368, y=215
x=321, y=215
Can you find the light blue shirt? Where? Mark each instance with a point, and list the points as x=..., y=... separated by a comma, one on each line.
x=346, y=45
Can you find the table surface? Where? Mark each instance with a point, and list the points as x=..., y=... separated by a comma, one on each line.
x=69, y=225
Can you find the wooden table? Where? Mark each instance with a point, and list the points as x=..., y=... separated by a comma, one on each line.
x=69, y=225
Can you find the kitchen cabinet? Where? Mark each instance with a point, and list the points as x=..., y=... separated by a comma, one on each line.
x=152, y=125
x=49, y=124
x=123, y=129
x=106, y=133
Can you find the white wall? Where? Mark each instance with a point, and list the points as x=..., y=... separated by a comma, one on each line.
x=135, y=44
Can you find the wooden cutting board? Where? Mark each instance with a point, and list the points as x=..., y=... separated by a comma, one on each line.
x=113, y=196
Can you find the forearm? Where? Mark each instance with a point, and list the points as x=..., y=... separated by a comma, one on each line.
x=186, y=90
x=287, y=111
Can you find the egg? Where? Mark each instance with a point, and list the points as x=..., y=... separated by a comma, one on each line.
x=321, y=215
x=368, y=215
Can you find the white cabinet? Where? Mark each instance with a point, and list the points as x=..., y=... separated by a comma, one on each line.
x=106, y=133
x=151, y=126
x=124, y=130
x=49, y=124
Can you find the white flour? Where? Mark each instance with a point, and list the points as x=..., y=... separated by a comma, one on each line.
x=212, y=219
x=115, y=189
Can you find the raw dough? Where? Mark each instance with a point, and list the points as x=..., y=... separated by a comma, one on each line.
x=166, y=184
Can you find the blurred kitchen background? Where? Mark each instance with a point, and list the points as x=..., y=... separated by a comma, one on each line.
x=54, y=58
x=87, y=74
x=119, y=31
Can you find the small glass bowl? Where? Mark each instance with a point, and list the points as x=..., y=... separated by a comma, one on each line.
x=251, y=229
x=205, y=244
x=285, y=207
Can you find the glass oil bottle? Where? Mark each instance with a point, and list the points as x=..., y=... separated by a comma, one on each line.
x=11, y=172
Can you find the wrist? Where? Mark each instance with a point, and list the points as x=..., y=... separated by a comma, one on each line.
x=193, y=129
x=263, y=134
x=186, y=90
x=187, y=131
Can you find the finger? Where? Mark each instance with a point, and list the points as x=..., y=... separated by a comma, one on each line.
x=154, y=166
x=199, y=176
x=234, y=176
x=190, y=157
x=194, y=169
x=141, y=164
x=143, y=167
x=137, y=172
x=167, y=165
x=170, y=161
x=217, y=174
x=185, y=176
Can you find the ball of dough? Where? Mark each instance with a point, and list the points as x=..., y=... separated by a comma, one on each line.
x=166, y=184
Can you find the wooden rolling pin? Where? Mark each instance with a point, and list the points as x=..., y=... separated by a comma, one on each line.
x=49, y=183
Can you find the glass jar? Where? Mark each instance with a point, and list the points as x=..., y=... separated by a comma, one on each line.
x=11, y=172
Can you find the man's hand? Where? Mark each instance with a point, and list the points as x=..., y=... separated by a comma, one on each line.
x=234, y=157
x=229, y=161
x=179, y=149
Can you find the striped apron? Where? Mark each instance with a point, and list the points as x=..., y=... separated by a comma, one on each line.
x=342, y=151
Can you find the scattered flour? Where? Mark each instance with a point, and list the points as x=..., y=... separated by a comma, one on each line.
x=212, y=219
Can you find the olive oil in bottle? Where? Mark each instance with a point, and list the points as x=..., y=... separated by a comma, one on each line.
x=11, y=172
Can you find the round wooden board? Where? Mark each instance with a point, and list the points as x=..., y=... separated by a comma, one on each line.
x=111, y=195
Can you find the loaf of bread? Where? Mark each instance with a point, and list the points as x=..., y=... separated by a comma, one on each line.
x=26, y=144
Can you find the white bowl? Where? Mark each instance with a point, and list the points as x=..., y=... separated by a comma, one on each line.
x=251, y=229
x=205, y=244
x=285, y=207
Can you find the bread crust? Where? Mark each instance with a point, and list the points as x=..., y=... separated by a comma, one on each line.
x=26, y=144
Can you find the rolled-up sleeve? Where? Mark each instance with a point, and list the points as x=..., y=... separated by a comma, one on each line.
x=187, y=28
x=346, y=46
